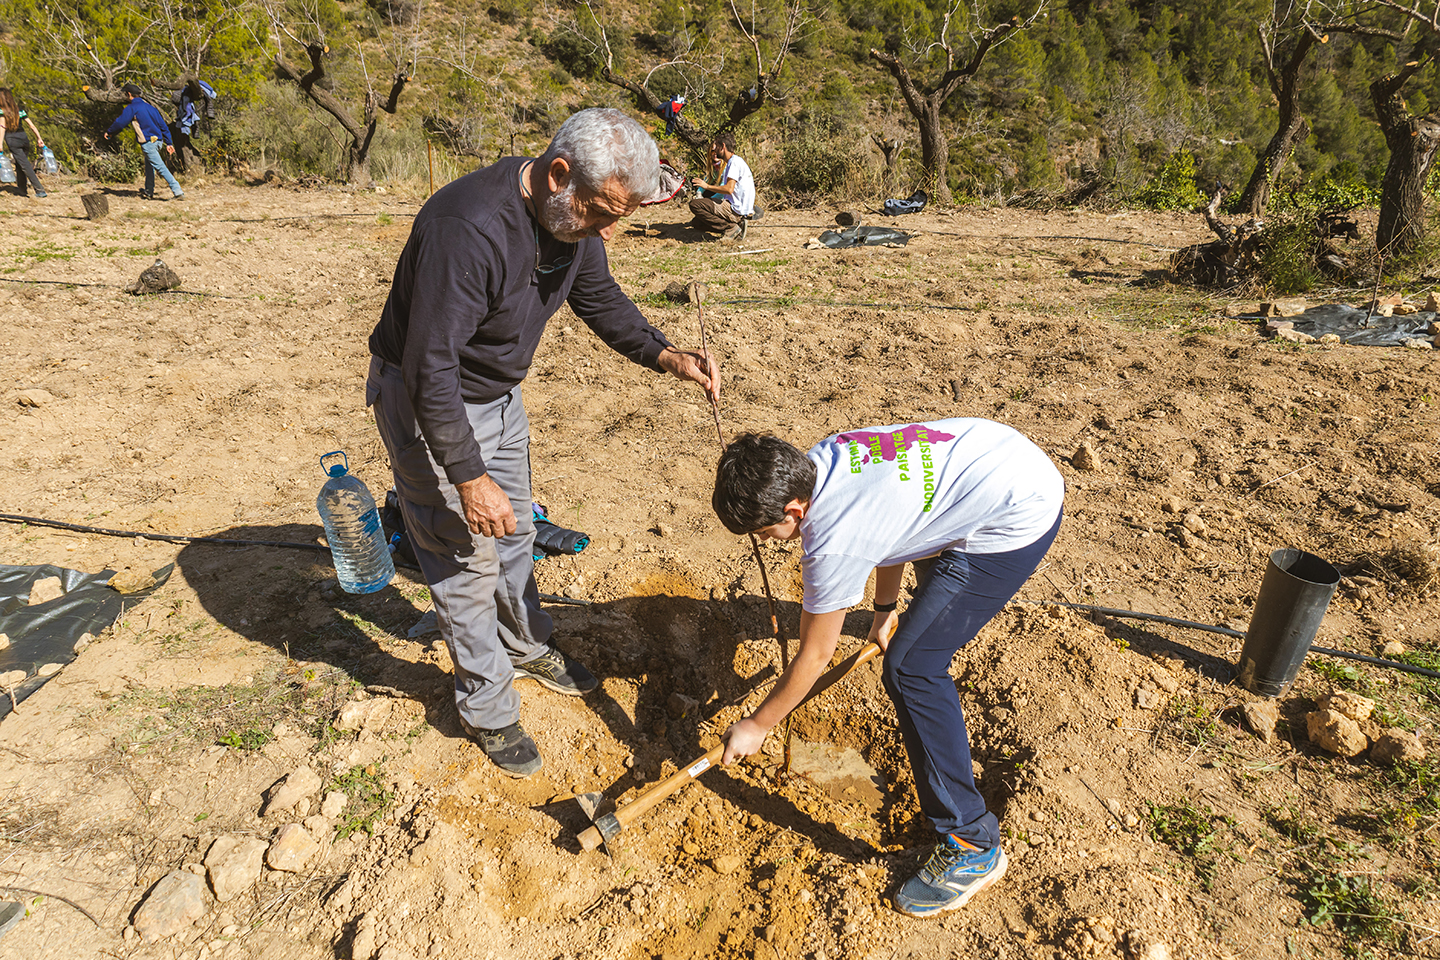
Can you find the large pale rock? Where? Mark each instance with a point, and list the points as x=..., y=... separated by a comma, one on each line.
x=292, y=849
x=370, y=715
x=1337, y=733
x=298, y=785
x=1396, y=745
x=333, y=804
x=233, y=864
x=12, y=678
x=1352, y=705
x=173, y=906
x=46, y=589
x=1261, y=716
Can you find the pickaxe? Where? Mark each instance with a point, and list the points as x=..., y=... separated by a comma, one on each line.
x=605, y=828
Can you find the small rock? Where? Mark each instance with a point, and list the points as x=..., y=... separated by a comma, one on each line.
x=333, y=805
x=1404, y=310
x=1037, y=815
x=1261, y=716
x=1335, y=732
x=1331, y=338
x=291, y=849
x=1352, y=705
x=1084, y=457
x=728, y=863
x=1131, y=821
x=297, y=785
x=691, y=847
x=131, y=581
x=233, y=865
x=46, y=589
x=576, y=590
x=1283, y=308
x=362, y=947
x=1172, y=505
x=1194, y=523
x=1139, y=946
x=358, y=715
x=1392, y=649
x=1147, y=697
x=12, y=678
x=84, y=640
x=675, y=292
x=34, y=398
x=49, y=670
x=678, y=705
x=1396, y=745
x=1294, y=336
x=1418, y=343
x=5, y=640
x=174, y=904
x=665, y=530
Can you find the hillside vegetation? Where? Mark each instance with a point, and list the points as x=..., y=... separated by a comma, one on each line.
x=1089, y=97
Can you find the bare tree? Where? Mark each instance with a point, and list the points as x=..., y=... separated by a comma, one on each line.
x=701, y=66
x=314, y=82
x=68, y=45
x=925, y=100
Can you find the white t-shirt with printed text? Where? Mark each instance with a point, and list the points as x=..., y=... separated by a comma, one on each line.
x=743, y=198
x=893, y=494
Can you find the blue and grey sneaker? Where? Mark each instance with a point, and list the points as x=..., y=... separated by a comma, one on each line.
x=555, y=671
x=955, y=872
x=509, y=748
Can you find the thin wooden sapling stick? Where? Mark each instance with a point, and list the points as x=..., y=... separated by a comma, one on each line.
x=699, y=293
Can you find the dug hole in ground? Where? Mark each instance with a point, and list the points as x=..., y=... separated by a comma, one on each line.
x=1143, y=818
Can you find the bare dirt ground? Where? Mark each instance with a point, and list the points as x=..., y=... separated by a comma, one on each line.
x=1139, y=811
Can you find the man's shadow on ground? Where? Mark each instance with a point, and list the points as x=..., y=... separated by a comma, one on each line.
x=681, y=232
x=678, y=652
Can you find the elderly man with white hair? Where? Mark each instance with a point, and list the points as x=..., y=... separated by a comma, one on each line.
x=490, y=259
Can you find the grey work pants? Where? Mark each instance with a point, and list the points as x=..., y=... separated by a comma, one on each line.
x=486, y=601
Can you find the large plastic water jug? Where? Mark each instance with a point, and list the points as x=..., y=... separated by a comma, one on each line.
x=352, y=528
x=7, y=168
x=48, y=163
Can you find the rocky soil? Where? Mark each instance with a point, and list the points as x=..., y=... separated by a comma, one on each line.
x=252, y=763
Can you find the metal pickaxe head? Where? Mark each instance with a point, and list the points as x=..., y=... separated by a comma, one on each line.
x=606, y=824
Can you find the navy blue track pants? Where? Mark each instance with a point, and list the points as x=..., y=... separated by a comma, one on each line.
x=960, y=593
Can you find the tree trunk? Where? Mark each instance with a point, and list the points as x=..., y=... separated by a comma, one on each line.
x=1413, y=142
x=1291, y=129
x=934, y=151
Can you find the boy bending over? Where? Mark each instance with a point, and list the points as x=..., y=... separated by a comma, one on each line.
x=975, y=506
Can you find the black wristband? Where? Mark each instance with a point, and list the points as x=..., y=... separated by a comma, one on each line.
x=886, y=607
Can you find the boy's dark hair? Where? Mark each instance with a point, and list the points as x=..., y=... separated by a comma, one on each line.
x=725, y=139
x=757, y=476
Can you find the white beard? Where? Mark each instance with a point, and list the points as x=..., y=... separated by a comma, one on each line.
x=561, y=219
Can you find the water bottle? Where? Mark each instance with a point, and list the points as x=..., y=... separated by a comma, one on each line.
x=49, y=163
x=7, y=168
x=352, y=527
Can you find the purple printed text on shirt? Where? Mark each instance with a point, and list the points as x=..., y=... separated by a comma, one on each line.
x=885, y=446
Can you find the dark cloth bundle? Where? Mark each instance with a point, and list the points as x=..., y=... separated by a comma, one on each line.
x=858, y=236
x=912, y=204
x=550, y=540
x=555, y=541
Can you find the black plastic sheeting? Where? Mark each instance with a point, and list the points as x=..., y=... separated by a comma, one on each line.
x=1353, y=326
x=858, y=236
x=44, y=633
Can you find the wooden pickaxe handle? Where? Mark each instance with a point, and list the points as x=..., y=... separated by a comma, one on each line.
x=637, y=808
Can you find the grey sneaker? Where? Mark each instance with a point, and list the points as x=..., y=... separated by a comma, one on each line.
x=955, y=872
x=555, y=671
x=509, y=748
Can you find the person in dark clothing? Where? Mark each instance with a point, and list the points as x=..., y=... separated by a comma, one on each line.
x=153, y=130
x=18, y=143
x=490, y=259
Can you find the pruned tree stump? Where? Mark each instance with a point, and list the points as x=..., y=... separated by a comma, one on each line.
x=97, y=205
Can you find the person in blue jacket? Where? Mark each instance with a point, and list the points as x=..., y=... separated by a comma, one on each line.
x=153, y=130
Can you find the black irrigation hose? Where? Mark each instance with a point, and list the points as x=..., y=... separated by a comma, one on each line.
x=1226, y=631
x=223, y=541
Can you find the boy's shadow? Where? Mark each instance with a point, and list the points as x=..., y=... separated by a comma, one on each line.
x=681, y=654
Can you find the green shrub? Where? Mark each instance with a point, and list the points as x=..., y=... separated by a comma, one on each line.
x=118, y=166
x=1173, y=188
x=816, y=164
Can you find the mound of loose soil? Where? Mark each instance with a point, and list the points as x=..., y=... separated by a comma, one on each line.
x=1142, y=819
